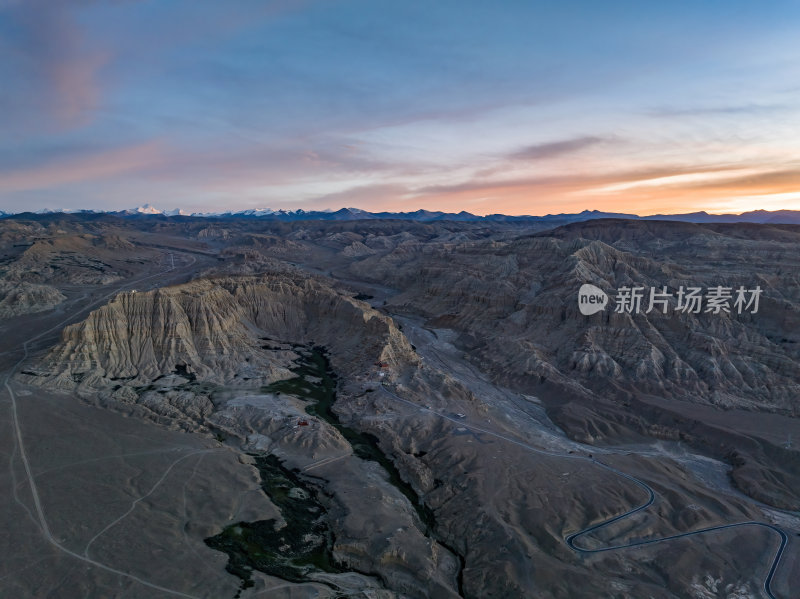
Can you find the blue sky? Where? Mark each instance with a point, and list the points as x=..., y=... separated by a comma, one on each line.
x=516, y=107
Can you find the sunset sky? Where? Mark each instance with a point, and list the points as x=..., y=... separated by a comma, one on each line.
x=523, y=107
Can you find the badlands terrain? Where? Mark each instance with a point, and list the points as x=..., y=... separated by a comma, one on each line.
x=385, y=408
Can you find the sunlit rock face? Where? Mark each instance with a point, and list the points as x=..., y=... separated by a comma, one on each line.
x=215, y=329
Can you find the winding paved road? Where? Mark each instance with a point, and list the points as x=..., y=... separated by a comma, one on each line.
x=570, y=539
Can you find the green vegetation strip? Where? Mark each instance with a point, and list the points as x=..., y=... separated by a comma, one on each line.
x=291, y=552
x=304, y=544
x=315, y=366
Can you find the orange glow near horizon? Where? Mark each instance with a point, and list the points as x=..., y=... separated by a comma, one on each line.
x=565, y=197
x=598, y=182
x=134, y=175
x=218, y=180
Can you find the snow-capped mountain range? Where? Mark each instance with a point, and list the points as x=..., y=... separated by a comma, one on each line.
x=149, y=211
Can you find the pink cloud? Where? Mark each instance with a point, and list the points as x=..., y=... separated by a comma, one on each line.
x=64, y=63
x=99, y=165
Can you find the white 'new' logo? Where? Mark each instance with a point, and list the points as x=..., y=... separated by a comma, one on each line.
x=591, y=299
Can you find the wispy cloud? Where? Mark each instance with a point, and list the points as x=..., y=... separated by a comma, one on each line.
x=765, y=181
x=555, y=149
x=576, y=181
x=733, y=109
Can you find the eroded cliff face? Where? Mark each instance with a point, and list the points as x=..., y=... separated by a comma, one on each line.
x=217, y=330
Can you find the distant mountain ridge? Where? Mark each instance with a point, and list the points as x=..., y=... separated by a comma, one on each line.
x=346, y=214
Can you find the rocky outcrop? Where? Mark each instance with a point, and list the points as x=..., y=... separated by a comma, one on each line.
x=27, y=298
x=78, y=259
x=357, y=249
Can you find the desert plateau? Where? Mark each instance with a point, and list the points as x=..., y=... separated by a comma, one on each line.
x=241, y=407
